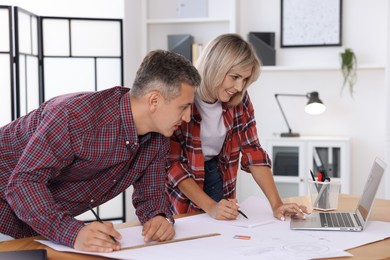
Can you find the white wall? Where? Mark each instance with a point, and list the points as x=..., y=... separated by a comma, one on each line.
x=365, y=29
x=363, y=117
x=387, y=87
x=71, y=8
x=132, y=39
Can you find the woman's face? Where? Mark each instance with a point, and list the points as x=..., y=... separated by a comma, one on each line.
x=234, y=82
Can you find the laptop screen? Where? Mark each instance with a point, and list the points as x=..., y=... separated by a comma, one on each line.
x=367, y=199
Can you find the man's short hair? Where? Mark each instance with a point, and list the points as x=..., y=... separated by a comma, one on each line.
x=164, y=71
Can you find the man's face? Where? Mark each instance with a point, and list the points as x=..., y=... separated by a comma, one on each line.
x=170, y=115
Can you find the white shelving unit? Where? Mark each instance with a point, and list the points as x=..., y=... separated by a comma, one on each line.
x=319, y=68
x=160, y=19
x=293, y=158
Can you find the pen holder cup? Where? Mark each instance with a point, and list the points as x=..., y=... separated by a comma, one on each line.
x=324, y=195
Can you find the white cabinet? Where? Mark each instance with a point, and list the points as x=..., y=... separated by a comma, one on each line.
x=293, y=158
x=161, y=18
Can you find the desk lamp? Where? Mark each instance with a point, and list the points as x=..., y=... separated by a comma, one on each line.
x=313, y=107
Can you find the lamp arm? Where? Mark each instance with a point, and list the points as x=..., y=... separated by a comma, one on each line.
x=281, y=109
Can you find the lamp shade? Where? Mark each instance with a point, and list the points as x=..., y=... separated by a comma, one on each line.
x=314, y=106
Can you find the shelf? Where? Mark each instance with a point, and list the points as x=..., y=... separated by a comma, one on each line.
x=189, y=20
x=160, y=20
x=287, y=179
x=311, y=138
x=319, y=68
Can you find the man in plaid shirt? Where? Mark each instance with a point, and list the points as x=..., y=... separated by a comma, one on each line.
x=83, y=149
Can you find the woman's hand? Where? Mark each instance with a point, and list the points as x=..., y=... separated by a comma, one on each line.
x=225, y=210
x=290, y=209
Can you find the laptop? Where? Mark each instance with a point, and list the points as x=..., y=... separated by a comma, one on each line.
x=346, y=221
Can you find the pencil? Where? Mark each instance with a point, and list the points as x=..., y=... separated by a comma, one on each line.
x=98, y=219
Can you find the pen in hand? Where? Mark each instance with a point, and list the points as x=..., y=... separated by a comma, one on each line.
x=98, y=219
x=242, y=213
x=239, y=211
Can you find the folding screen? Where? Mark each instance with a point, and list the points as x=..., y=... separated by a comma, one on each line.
x=26, y=59
x=80, y=54
x=51, y=56
x=6, y=66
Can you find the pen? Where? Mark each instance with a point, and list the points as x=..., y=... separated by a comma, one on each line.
x=312, y=175
x=320, y=192
x=239, y=211
x=314, y=179
x=242, y=213
x=320, y=177
x=98, y=219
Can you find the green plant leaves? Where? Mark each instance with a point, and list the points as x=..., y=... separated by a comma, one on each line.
x=348, y=68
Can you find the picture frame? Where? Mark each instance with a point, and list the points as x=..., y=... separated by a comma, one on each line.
x=311, y=23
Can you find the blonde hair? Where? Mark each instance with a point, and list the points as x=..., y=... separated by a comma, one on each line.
x=224, y=54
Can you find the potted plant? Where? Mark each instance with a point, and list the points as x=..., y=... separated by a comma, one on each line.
x=348, y=68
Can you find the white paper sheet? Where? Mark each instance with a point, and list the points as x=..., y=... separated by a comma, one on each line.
x=272, y=241
x=262, y=244
x=256, y=209
x=132, y=237
x=374, y=231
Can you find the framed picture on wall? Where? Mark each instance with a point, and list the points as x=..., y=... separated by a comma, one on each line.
x=310, y=23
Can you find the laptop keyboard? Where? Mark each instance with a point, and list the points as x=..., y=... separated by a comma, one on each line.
x=336, y=219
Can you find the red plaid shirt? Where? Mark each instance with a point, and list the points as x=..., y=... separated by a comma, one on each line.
x=75, y=150
x=186, y=158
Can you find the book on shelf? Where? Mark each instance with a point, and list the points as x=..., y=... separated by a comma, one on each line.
x=264, y=44
x=196, y=51
x=181, y=44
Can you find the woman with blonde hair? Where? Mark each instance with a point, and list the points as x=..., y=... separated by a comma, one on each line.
x=205, y=152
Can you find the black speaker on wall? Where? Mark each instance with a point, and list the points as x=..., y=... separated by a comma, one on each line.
x=264, y=44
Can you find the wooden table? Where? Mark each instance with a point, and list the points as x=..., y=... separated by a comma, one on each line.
x=377, y=250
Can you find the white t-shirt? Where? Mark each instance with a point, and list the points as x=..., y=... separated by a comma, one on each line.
x=212, y=127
